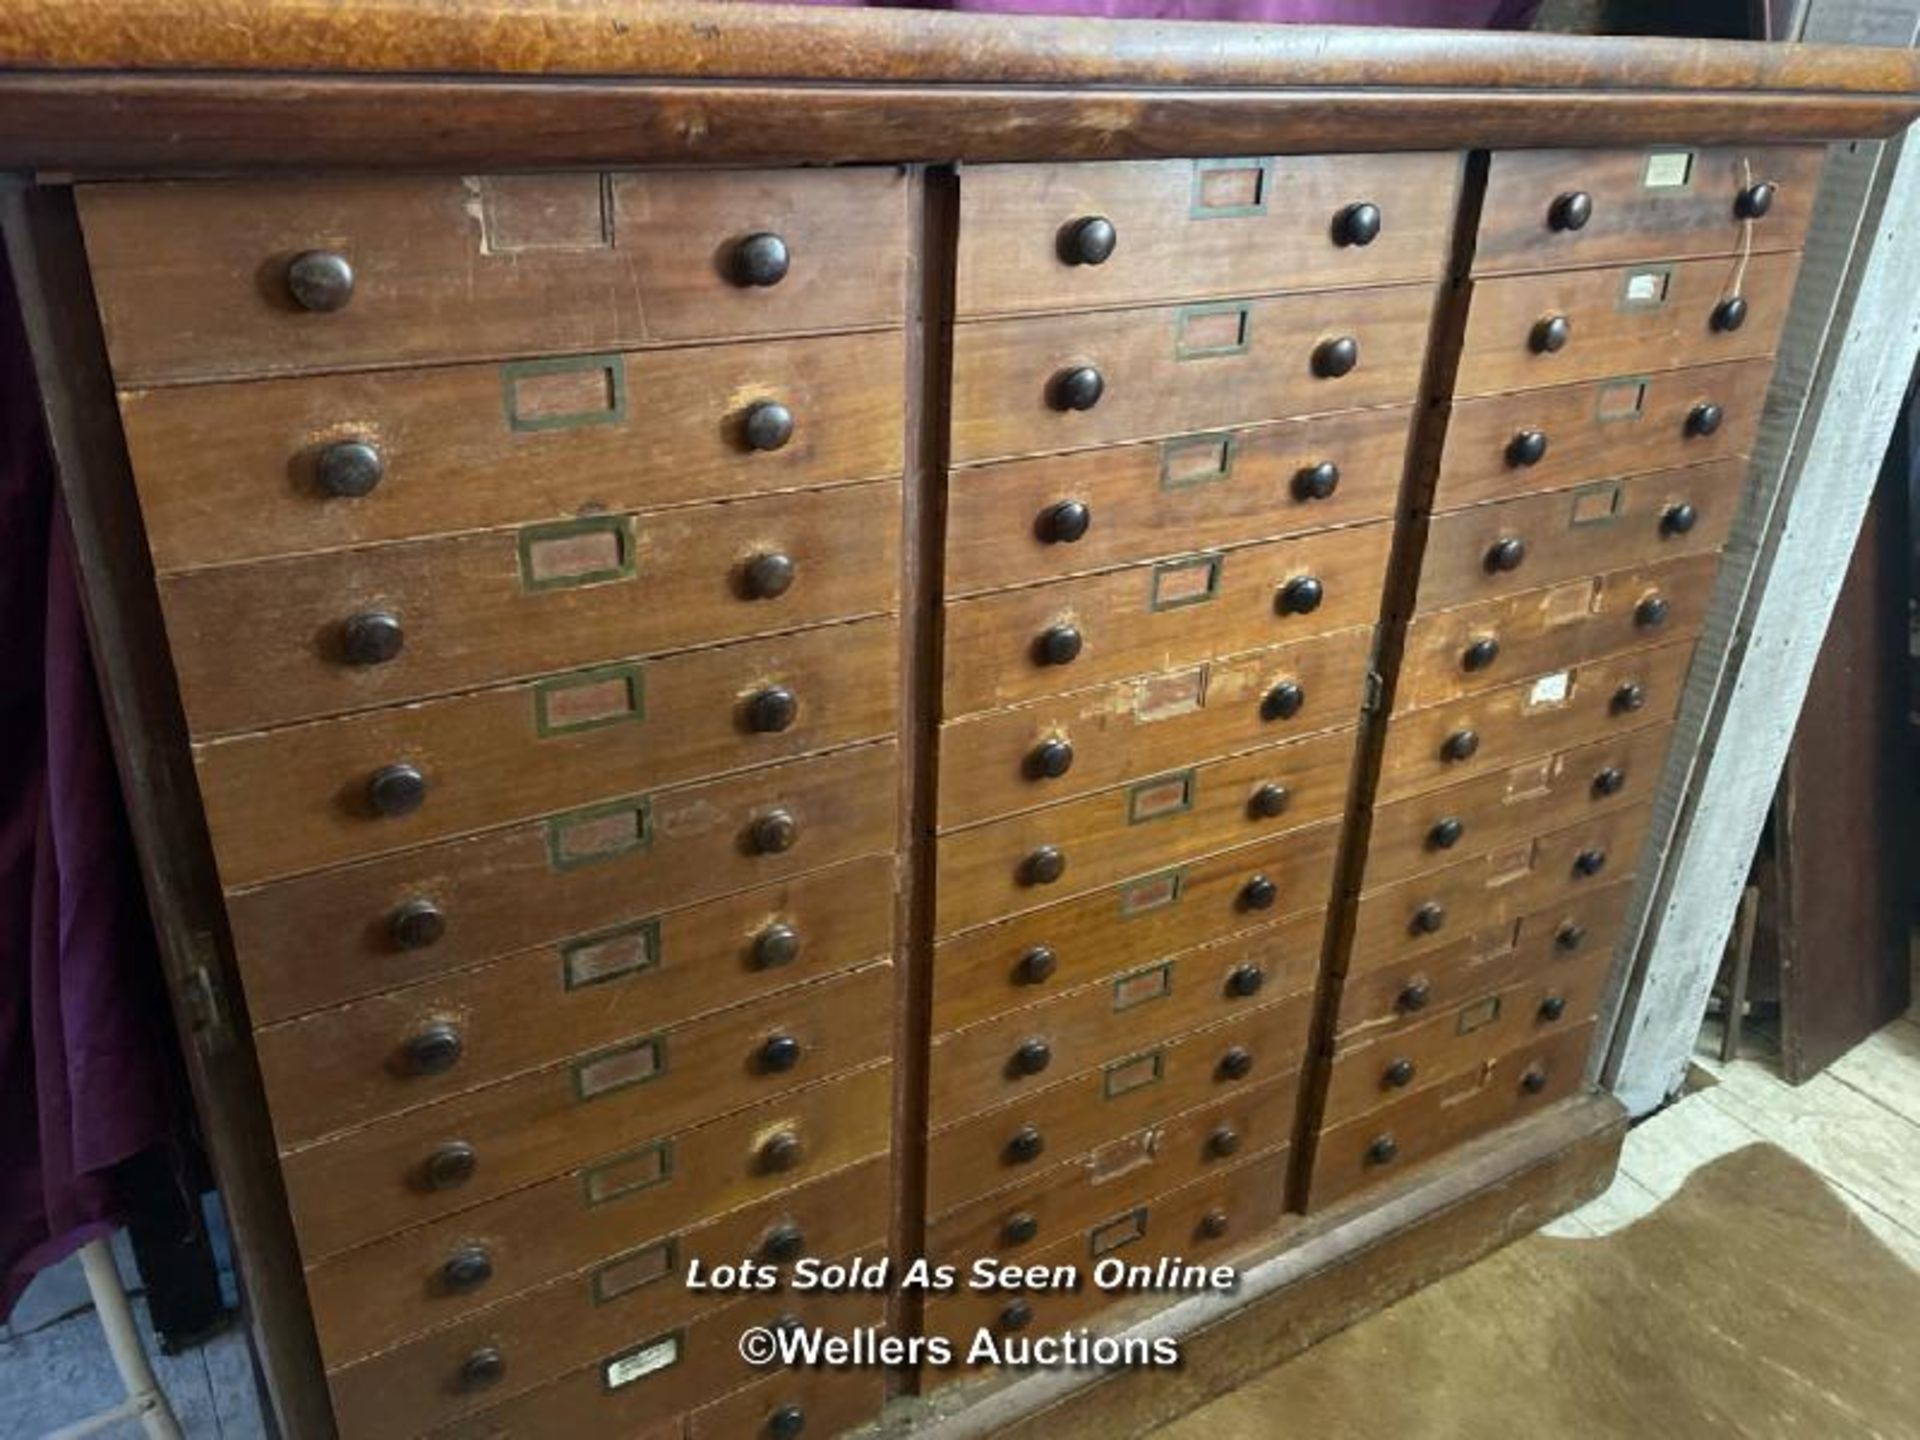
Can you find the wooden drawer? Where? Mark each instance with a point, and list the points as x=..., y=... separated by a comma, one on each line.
x=1175, y=369
x=1559, y=940
x=1539, y=630
x=1387, y=1142
x=1452, y=1041
x=996, y=763
x=1001, y=1059
x=640, y=1289
x=1005, y=524
x=263, y=644
x=1185, y=229
x=1134, y=1089
x=1641, y=204
x=1484, y=896
x=372, y=1297
x=829, y=1402
x=1497, y=810
x=1429, y=748
x=1151, y=618
x=1014, y=1223
x=302, y=796
x=985, y=971
x=1608, y=525
x=561, y=880
x=193, y=277
x=1623, y=319
x=241, y=471
x=1002, y=867
x=1600, y=430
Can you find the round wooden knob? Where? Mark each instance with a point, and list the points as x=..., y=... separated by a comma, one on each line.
x=1026, y=1145
x=1020, y=1229
x=1036, y=967
x=1629, y=697
x=1704, y=418
x=1077, y=389
x=1336, y=357
x=1089, y=240
x=1269, y=802
x=1057, y=645
x=396, y=790
x=1481, y=653
x=773, y=833
x=1589, y=862
x=1016, y=1315
x=1224, y=1141
x=1729, y=315
x=769, y=576
x=1414, y=996
x=1553, y=1007
x=484, y=1367
x=779, y=1153
x=772, y=710
x=1678, y=519
x=1610, y=781
x=1214, y=1224
x=1316, y=482
x=1428, y=918
x=320, y=281
x=1460, y=745
x=1237, y=1063
x=350, y=469
x=1528, y=447
x=777, y=945
x=1050, y=759
x=416, y=924
x=1569, y=936
x=373, y=637
x=468, y=1268
x=1245, y=980
x=1301, y=595
x=1283, y=701
x=1044, y=865
x=767, y=425
x=1383, y=1150
x=1357, y=224
x=783, y=1242
x=1398, y=1074
x=1754, y=201
x=789, y=1422
x=1446, y=832
x=759, y=260
x=450, y=1166
x=1064, y=523
x=1259, y=893
x=779, y=1053
x=1549, y=335
x=1031, y=1056
x=433, y=1051
x=1651, y=613
x=1570, y=211
x=1534, y=1080
x=1505, y=554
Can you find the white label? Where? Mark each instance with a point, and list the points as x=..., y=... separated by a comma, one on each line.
x=1666, y=172
x=637, y=1364
x=1551, y=689
x=1649, y=287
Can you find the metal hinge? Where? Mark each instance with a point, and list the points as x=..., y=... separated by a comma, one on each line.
x=201, y=999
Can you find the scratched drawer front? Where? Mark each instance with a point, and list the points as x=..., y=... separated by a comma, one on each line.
x=1546, y=539
x=1485, y=895
x=1030, y=860
x=1018, y=521
x=353, y=1187
x=1177, y=369
x=1134, y=1088
x=1626, y=319
x=1004, y=761
x=195, y=279
x=1108, y=932
x=1641, y=204
x=1499, y=446
x=249, y=471
x=371, y=1297
x=1013, y=646
x=999, y=1060
x=638, y=1288
x=1447, y=654
x=302, y=796
x=1462, y=739
x=1195, y=228
x=1500, y=809
x=1014, y=1223
x=1562, y=940
x=263, y=644
x=564, y=879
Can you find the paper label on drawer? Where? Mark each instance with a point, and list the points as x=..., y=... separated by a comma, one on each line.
x=1668, y=171
x=1550, y=690
x=643, y=1361
x=1646, y=289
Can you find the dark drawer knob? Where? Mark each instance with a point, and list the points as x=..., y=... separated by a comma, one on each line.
x=416, y=924
x=1336, y=357
x=1283, y=701
x=1064, y=523
x=434, y=1050
x=1629, y=697
x=1505, y=554
x=1398, y=1074
x=320, y=281
x=1384, y=1150
x=767, y=425
x=759, y=260
x=1570, y=936
x=1754, y=201
x=1245, y=980
x=1678, y=519
x=468, y=1268
x=397, y=790
x=770, y=576
x=1269, y=802
x=1704, y=418
x=1610, y=781
x=1301, y=595
x=1019, y=1229
x=1316, y=482
x=1026, y=1145
x=774, y=833
x=1553, y=1007
x=485, y=1366
x=1057, y=645
x=350, y=469
x=783, y=1242
x=1446, y=832
x=1036, y=967
x=1414, y=996
x=1077, y=389
x=1032, y=1056
x=372, y=637
x=1050, y=759
x=1481, y=653
x=1549, y=335
x=1259, y=893
x=1016, y=1315
x=1223, y=1141
x=1589, y=862
x=1214, y=1224
x=1570, y=211
x=772, y=710
x=1088, y=241
x=779, y=1153
x=779, y=1053
x=777, y=945
x=789, y=1422
x=1534, y=1080
x=1237, y=1063
x=1528, y=447
x=1651, y=612
x=1043, y=866
x=1428, y=918
x=1460, y=745
x=1729, y=315
x=450, y=1166
x=1357, y=224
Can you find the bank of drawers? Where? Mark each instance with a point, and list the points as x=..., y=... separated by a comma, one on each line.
x=541, y=668
x=1621, y=315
